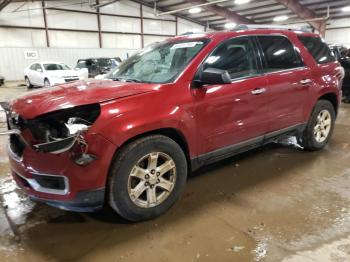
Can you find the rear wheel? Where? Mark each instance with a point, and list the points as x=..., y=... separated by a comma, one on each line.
x=46, y=83
x=147, y=178
x=320, y=126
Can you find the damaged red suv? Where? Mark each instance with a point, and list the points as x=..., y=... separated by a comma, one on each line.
x=131, y=140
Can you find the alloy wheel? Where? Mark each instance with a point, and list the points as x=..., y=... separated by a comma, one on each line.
x=27, y=82
x=323, y=126
x=152, y=179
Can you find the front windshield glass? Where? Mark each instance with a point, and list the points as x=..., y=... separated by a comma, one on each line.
x=82, y=64
x=158, y=63
x=54, y=67
x=104, y=62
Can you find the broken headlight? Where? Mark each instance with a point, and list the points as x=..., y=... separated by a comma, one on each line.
x=59, y=131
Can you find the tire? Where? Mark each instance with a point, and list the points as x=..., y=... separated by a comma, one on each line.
x=46, y=83
x=317, y=135
x=28, y=84
x=130, y=171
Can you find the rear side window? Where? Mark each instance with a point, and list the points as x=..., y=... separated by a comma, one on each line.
x=236, y=56
x=318, y=49
x=279, y=53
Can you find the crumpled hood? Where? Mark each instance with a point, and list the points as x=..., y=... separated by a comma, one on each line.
x=46, y=100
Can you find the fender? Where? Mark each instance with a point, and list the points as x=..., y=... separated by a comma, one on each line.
x=121, y=120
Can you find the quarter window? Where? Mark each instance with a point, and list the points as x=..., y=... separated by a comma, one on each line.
x=279, y=53
x=236, y=56
x=318, y=49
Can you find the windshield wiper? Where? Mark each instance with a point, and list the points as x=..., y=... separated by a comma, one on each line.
x=117, y=78
x=126, y=79
x=132, y=80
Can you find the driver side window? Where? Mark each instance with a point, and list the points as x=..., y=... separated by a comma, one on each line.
x=236, y=56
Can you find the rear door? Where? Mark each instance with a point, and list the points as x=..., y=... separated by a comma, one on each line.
x=229, y=114
x=289, y=81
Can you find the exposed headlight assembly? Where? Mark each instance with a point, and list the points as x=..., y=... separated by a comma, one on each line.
x=59, y=131
x=56, y=132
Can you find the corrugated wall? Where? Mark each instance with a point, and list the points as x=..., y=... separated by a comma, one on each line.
x=13, y=62
x=338, y=32
x=121, y=35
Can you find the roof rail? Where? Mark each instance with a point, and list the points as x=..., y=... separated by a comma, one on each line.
x=261, y=26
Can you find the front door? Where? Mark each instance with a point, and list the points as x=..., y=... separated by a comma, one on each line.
x=235, y=113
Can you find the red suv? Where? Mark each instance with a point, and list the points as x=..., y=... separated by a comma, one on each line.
x=131, y=140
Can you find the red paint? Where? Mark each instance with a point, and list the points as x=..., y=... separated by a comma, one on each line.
x=209, y=118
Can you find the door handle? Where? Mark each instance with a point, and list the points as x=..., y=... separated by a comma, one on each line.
x=258, y=91
x=305, y=81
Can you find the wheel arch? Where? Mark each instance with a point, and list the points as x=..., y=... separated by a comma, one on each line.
x=171, y=133
x=332, y=98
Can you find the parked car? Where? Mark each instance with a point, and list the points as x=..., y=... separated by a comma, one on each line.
x=98, y=66
x=171, y=108
x=48, y=74
x=2, y=80
x=341, y=55
x=105, y=75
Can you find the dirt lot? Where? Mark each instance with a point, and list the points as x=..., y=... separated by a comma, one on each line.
x=277, y=203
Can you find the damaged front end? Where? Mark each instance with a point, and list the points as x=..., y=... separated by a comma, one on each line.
x=54, y=133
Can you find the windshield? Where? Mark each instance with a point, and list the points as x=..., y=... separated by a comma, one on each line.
x=104, y=62
x=158, y=63
x=114, y=62
x=53, y=67
x=82, y=64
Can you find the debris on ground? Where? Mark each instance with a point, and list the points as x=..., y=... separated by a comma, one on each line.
x=291, y=141
x=236, y=248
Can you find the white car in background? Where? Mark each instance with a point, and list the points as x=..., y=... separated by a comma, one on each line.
x=49, y=74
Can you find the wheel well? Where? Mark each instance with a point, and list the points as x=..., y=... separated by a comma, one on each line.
x=172, y=133
x=331, y=97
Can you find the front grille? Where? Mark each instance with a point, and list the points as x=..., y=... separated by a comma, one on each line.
x=70, y=78
x=16, y=145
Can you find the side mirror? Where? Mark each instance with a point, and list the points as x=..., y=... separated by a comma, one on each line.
x=213, y=76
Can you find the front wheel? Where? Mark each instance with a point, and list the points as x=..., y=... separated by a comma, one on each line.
x=28, y=84
x=320, y=126
x=147, y=178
